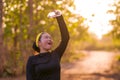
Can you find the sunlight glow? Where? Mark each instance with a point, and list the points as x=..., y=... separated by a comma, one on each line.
x=95, y=12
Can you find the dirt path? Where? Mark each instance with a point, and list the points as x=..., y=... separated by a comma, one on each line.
x=96, y=66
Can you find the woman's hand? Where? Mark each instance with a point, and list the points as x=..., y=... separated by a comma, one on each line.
x=54, y=14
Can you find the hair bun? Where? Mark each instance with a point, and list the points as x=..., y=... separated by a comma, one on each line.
x=35, y=47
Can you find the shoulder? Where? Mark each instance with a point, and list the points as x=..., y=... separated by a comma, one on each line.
x=30, y=59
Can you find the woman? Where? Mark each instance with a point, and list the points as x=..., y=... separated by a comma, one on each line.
x=45, y=65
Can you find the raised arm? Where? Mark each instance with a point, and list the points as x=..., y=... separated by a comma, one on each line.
x=64, y=34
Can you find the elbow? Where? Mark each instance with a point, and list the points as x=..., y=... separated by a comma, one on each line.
x=68, y=37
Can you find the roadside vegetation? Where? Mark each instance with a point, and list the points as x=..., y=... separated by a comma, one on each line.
x=20, y=22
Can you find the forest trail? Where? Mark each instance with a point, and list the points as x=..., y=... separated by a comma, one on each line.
x=95, y=66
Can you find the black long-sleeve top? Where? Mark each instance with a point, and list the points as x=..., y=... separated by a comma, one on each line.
x=46, y=66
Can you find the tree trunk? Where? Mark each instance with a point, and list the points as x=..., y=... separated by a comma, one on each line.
x=15, y=38
x=2, y=57
x=31, y=24
x=30, y=5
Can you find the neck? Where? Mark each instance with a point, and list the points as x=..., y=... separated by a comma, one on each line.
x=35, y=53
x=44, y=51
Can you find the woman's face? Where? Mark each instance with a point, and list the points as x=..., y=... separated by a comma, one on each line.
x=45, y=42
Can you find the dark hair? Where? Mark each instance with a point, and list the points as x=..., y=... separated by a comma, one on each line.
x=35, y=47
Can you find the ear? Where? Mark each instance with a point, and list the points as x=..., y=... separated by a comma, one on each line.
x=39, y=43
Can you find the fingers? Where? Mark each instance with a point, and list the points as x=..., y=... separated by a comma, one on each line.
x=54, y=14
x=57, y=12
x=51, y=14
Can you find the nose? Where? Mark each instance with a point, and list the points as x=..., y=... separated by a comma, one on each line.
x=49, y=39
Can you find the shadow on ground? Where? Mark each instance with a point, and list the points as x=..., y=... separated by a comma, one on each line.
x=93, y=76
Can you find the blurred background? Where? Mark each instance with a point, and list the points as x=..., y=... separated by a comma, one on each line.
x=92, y=24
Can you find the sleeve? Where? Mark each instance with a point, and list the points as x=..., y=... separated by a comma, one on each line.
x=64, y=36
x=29, y=70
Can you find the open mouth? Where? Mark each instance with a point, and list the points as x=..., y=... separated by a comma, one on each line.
x=49, y=43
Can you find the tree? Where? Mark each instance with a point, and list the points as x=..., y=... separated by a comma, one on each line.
x=2, y=48
x=116, y=25
x=24, y=19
